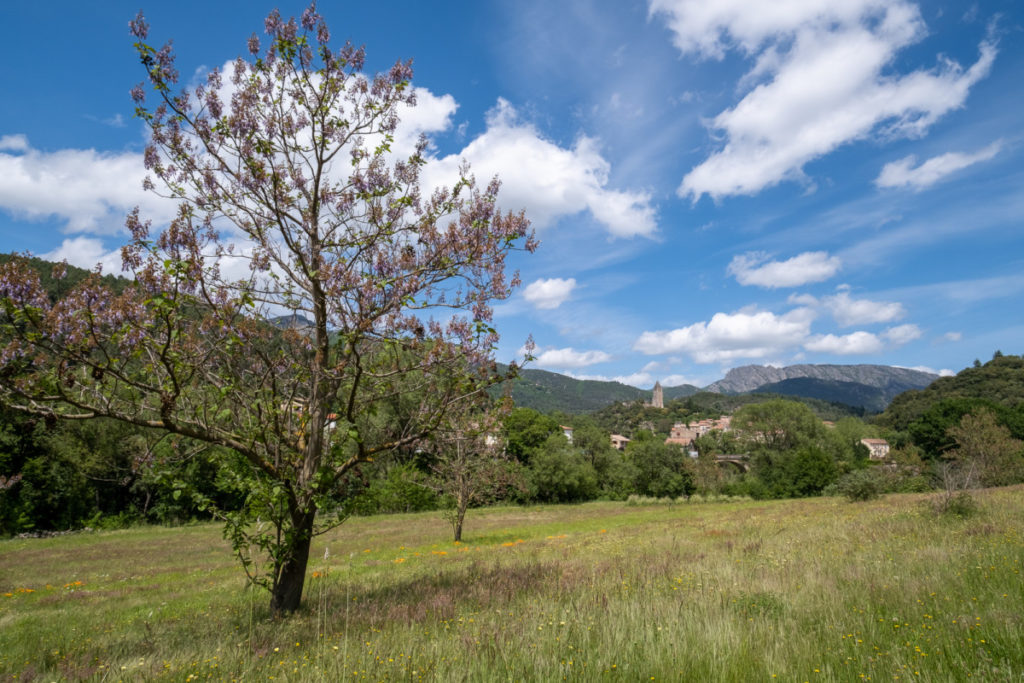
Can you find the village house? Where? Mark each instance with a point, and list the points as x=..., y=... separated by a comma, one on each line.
x=567, y=431
x=619, y=442
x=685, y=434
x=878, y=448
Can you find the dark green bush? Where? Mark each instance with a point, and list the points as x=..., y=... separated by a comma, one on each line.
x=400, y=490
x=863, y=484
x=559, y=474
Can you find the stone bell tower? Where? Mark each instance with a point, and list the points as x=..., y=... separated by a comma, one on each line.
x=657, y=400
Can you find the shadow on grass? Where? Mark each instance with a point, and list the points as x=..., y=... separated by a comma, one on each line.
x=425, y=599
x=437, y=598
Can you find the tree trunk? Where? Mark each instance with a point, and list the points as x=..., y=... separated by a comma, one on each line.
x=286, y=595
x=460, y=514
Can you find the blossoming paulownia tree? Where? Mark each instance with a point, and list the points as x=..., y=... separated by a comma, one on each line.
x=283, y=165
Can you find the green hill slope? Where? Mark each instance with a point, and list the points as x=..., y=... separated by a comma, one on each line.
x=1001, y=380
x=549, y=391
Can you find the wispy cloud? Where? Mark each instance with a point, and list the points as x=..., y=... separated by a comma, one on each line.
x=115, y=121
x=755, y=268
x=964, y=291
x=903, y=173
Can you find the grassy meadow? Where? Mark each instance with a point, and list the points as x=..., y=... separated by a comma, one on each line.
x=797, y=590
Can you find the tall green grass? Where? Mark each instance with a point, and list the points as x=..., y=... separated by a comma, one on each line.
x=805, y=590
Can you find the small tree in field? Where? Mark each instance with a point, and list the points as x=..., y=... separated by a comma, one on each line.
x=469, y=464
x=282, y=174
x=986, y=447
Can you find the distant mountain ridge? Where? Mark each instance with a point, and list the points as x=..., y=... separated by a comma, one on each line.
x=891, y=380
x=870, y=387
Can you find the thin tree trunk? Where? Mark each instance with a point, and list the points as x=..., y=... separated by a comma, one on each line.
x=460, y=515
x=458, y=526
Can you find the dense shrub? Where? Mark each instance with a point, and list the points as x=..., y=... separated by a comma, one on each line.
x=918, y=483
x=746, y=486
x=560, y=474
x=864, y=484
x=958, y=504
x=661, y=470
x=794, y=474
x=399, y=490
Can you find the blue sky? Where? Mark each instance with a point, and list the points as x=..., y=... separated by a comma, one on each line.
x=714, y=184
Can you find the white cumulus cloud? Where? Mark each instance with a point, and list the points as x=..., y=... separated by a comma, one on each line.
x=755, y=268
x=821, y=77
x=641, y=379
x=549, y=293
x=902, y=334
x=86, y=252
x=845, y=345
x=676, y=380
x=848, y=311
x=547, y=180
x=569, y=358
x=14, y=143
x=862, y=342
x=944, y=372
x=729, y=336
x=90, y=191
x=432, y=114
x=903, y=173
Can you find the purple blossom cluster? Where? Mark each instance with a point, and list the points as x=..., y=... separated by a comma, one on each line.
x=20, y=287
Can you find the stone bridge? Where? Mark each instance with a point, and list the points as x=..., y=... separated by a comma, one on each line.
x=740, y=462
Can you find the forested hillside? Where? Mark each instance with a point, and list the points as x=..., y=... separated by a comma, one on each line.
x=999, y=382
x=869, y=398
x=549, y=391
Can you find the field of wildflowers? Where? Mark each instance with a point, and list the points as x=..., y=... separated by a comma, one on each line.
x=808, y=590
